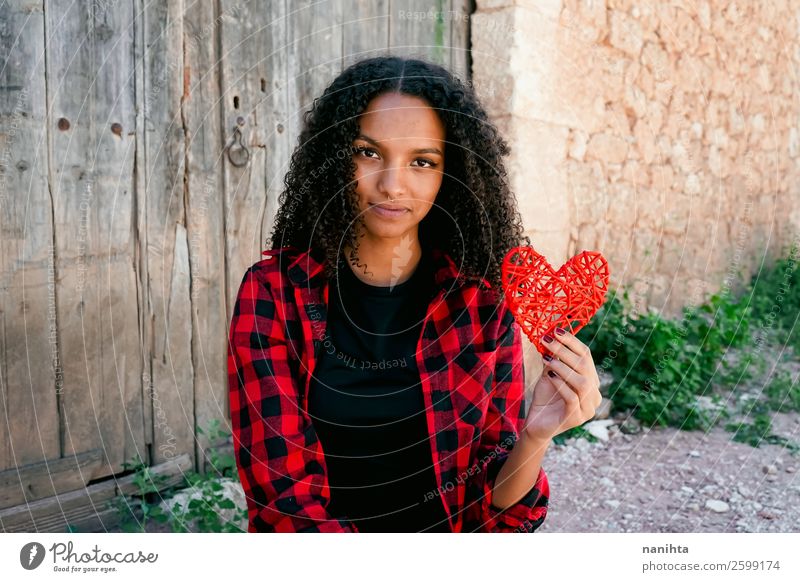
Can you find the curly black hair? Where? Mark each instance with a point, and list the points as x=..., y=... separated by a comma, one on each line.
x=474, y=219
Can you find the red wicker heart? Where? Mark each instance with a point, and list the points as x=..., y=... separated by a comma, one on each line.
x=542, y=299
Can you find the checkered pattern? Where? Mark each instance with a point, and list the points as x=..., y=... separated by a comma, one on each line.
x=471, y=371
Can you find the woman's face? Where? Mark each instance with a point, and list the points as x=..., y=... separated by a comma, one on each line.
x=399, y=157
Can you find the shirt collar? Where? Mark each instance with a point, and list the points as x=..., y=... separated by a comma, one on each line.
x=307, y=267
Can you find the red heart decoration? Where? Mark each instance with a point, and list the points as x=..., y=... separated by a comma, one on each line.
x=542, y=299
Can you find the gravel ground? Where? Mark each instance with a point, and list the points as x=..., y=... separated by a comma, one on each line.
x=667, y=480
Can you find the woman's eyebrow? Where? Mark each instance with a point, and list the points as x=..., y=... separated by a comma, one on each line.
x=417, y=151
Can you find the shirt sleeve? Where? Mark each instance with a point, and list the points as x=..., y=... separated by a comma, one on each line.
x=278, y=454
x=504, y=421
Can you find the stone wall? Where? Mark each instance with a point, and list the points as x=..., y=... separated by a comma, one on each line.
x=663, y=134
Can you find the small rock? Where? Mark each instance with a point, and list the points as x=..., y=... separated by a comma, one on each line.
x=693, y=506
x=790, y=469
x=694, y=453
x=598, y=428
x=706, y=403
x=687, y=490
x=771, y=478
x=769, y=469
x=766, y=515
x=627, y=516
x=612, y=503
x=603, y=410
x=744, y=491
x=717, y=505
x=630, y=425
x=606, y=381
x=231, y=490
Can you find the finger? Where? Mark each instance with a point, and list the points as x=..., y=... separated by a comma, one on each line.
x=567, y=348
x=571, y=399
x=572, y=377
x=569, y=340
x=579, y=385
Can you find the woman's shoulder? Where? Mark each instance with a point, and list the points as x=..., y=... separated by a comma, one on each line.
x=276, y=259
x=273, y=266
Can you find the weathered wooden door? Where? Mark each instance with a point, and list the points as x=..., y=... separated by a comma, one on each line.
x=126, y=228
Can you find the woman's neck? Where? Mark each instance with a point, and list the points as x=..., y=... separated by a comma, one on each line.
x=385, y=262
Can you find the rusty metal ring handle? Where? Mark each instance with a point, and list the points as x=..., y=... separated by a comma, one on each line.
x=244, y=156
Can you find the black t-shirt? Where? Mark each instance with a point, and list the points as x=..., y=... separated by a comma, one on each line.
x=366, y=405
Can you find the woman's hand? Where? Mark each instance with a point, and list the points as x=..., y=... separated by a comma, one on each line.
x=568, y=392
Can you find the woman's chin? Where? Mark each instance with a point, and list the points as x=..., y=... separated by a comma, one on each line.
x=380, y=228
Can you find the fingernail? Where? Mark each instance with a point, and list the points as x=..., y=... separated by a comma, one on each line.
x=548, y=338
x=551, y=373
x=547, y=357
x=560, y=331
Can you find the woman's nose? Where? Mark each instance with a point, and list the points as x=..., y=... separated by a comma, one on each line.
x=392, y=182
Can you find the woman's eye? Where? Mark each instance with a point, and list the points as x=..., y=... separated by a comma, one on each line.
x=432, y=163
x=362, y=150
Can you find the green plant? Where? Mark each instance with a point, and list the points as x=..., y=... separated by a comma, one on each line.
x=140, y=509
x=203, y=507
x=775, y=297
x=224, y=464
x=577, y=432
x=656, y=363
x=782, y=393
x=760, y=430
x=662, y=367
x=205, y=502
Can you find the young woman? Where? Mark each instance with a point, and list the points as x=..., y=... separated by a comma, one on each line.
x=376, y=374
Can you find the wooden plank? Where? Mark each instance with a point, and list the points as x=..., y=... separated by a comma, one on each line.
x=173, y=472
x=245, y=42
x=86, y=507
x=168, y=378
x=314, y=55
x=30, y=362
x=460, y=59
x=90, y=64
x=48, y=478
x=172, y=393
x=204, y=197
x=53, y=514
x=274, y=110
x=365, y=30
x=141, y=187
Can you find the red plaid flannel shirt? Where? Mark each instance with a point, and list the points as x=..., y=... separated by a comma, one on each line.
x=470, y=361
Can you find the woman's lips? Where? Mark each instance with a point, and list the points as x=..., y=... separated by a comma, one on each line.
x=386, y=212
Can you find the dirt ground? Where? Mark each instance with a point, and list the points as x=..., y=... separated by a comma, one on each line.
x=666, y=480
